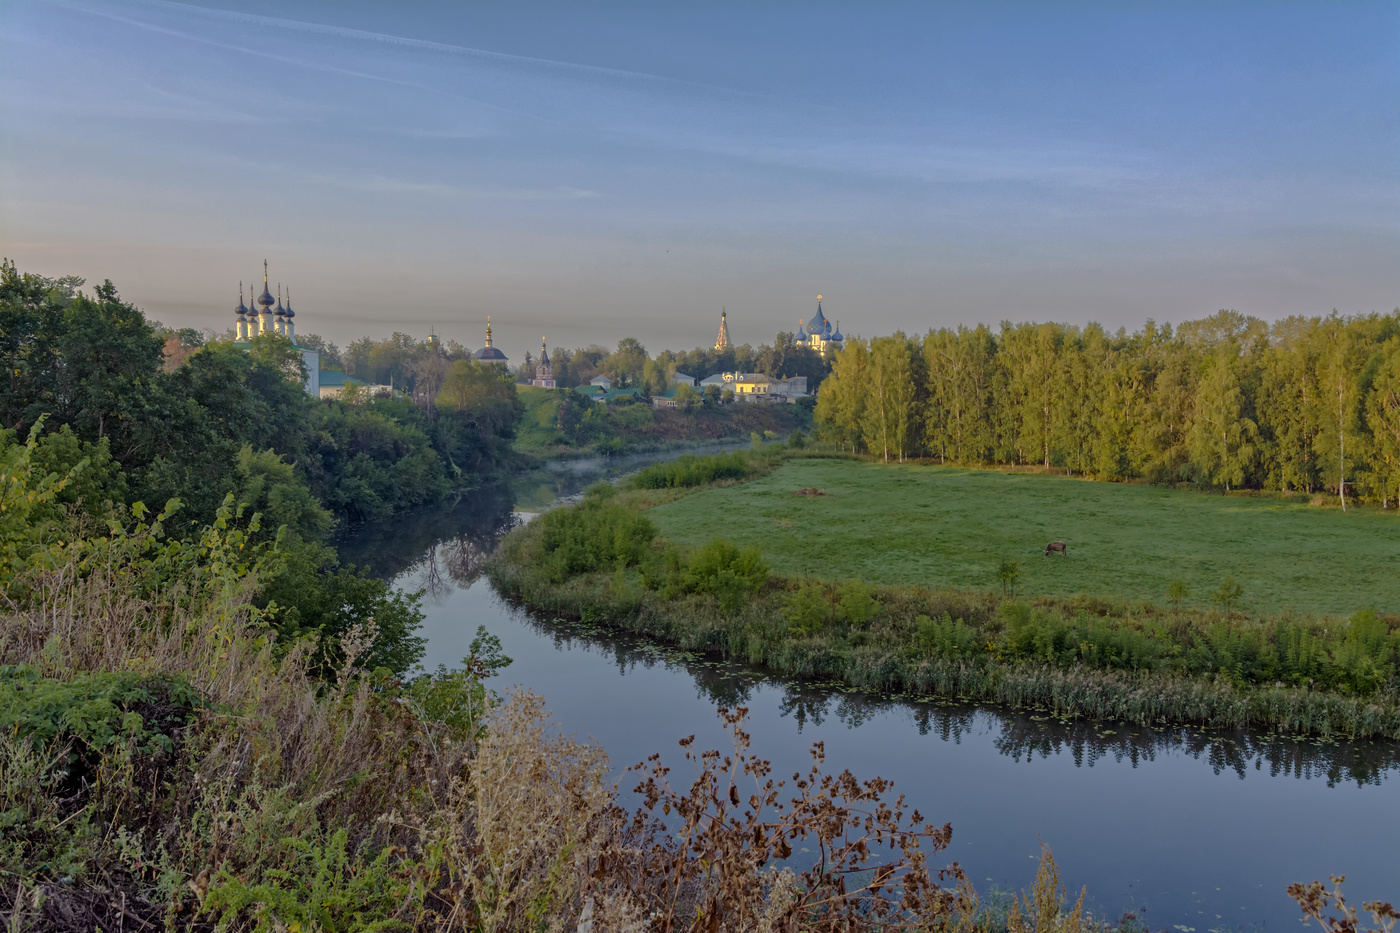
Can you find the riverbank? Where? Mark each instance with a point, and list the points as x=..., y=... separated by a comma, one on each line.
x=1073, y=656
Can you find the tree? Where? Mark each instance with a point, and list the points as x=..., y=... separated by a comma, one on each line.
x=1221, y=439
x=890, y=387
x=627, y=363
x=842, y=400
x=1383, y=416
x=1338, y=377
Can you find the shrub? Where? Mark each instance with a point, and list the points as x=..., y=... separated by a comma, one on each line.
x=807, y=610
x=945, y=637
x=854, y=603
x=595, y=535
x=691, y=470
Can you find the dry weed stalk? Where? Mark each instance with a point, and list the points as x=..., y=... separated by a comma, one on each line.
x=1044, y=904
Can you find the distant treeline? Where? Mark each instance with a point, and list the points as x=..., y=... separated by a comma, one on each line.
x=1307, y=404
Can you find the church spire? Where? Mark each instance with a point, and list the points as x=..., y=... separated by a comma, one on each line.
x=722, y=341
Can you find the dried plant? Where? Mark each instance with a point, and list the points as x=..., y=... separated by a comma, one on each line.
x=1316, y=902
x=714, y=856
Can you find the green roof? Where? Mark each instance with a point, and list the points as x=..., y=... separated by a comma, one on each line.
x=334, y=377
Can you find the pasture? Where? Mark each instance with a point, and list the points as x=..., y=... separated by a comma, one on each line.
x=950, y=527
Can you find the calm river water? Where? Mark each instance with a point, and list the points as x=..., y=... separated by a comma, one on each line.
x=1194, y=831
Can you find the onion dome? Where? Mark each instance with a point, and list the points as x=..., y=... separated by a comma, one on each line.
x=241, y=311
x=801, y=331
x=819, y=326
x=290, y=312
x=281, y=311
x=265, y=299
x=836, y=333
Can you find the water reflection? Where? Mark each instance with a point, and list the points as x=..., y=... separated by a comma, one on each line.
x=1020, y=734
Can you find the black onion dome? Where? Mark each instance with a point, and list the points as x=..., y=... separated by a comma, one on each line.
x=265, y=299
x=240, y=310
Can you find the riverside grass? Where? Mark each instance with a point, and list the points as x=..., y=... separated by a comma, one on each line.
x=1139, y=663
x=921, y=525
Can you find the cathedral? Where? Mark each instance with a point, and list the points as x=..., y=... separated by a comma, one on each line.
x=253, y=323
x=264, y=318
x=818, y=334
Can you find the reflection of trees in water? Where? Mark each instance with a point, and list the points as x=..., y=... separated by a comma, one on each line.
x=446, y=544
x=1018, y=734
x=1026, y=735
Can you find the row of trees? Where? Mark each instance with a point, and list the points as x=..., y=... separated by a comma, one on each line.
x=630, y=366
x=1304, y=404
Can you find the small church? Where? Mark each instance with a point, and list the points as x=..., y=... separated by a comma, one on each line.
x=544, y=374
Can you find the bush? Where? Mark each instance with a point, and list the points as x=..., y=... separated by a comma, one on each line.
x=727, y=572
x=691, y=470
x=807, y=610
x=594, y=535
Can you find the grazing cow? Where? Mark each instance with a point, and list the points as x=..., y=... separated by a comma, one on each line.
x=1056, y=546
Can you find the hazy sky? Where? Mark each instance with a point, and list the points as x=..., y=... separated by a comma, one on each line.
x=594, y=171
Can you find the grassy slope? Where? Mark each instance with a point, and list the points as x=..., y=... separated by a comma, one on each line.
x=947, y=527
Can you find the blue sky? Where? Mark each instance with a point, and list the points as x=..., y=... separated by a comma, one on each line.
x=590, y=171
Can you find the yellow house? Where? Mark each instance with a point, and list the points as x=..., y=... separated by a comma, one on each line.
x=752, y=384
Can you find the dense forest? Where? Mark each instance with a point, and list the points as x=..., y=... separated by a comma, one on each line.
x=1308, y=405
x=197, y=430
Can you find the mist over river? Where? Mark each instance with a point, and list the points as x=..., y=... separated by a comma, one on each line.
x=1192, y=830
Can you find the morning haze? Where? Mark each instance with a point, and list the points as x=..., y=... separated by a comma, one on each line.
x=608, y=171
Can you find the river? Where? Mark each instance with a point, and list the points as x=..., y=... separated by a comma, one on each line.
x=1191, y=830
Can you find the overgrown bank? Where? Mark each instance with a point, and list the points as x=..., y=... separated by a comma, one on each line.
x=602, y=560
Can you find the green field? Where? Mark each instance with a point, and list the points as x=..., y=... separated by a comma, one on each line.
x=948, y=527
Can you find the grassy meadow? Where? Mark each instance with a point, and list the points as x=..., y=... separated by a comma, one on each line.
x=950, y=527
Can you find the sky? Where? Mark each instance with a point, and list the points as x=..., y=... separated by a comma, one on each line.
x=589, y=171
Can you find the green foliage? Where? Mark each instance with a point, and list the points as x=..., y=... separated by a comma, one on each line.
x=323, y=886
x=1228, y=594
x=1008, y=572
x=1176, y=592
x=459, y=698
x=945, y=637
x=807, y=609
x=797, y=440
x=1229, y=402
x=690, y=470
x=92, y=712
x=38, y=840
x=595, y=535
x=727, y=572
x=855, y=604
